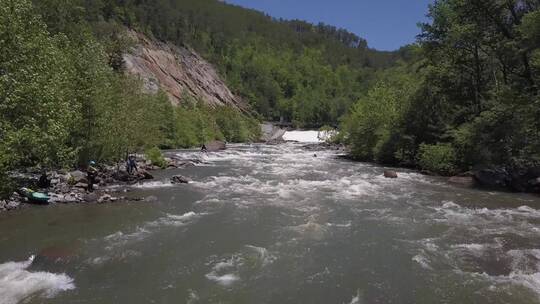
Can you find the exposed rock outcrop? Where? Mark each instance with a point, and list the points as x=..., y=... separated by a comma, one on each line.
x=177, y=71
x=271, y=133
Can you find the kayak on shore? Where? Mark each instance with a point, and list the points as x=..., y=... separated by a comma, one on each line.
x=35, y=197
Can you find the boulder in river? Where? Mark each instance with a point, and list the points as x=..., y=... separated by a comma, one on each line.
x=390, y=174
x=215, y=146
x=493, y=178
x=179, y=179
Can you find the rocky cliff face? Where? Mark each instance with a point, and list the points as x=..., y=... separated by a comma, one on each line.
x=177, y=71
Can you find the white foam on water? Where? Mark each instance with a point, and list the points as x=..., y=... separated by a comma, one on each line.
x=356, y=299
x=121, y=239
x=193, y=297
x=154, y=185
x=311, y=230
x=303, y=136
x=347, y=225
x=530, y=281
x=17, y=284
x=228, y=271
x=262, y=254
x=513, y=220
x=184, y=217
x=224, y=272
x=224, y=280
x=176, y=220
x=288, y=190
x=477, y=250
x=422, y=260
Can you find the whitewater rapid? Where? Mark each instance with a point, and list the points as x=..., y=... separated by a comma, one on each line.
x=283, y=224
x=17, y=282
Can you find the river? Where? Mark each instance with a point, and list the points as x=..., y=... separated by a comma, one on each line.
x=275, y=224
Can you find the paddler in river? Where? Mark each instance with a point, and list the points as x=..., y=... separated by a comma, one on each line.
x=204, y=149
x=91, y=173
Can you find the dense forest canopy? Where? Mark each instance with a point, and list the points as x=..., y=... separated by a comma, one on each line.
x=474, y=99
x=291, y=70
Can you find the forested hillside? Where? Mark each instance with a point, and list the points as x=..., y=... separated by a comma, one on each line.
x=308, y=74
x=66, y=99
x=464, y=96
x=469, y=99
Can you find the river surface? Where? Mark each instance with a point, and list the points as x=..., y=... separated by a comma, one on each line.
x=275, y=224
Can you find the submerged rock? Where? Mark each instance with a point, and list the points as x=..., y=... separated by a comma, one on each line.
x=390, y=174
x=179, y=179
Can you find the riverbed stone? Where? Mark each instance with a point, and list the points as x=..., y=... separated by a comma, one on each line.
x=179, y=179
x=390, y=174
x=77, y=176
x=104, y=198
x=81, y=185
x=12, y=205
x=91, y=198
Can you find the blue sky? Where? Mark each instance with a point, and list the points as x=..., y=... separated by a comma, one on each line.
x=385, y=24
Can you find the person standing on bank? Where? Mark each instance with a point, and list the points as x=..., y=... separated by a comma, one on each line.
x=91, y=173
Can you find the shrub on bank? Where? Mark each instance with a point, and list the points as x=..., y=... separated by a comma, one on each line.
x=155, y=156
x=440, y=158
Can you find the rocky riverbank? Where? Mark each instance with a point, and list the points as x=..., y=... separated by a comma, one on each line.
x=71, y=187
x=500, y=178
x=525, y=180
